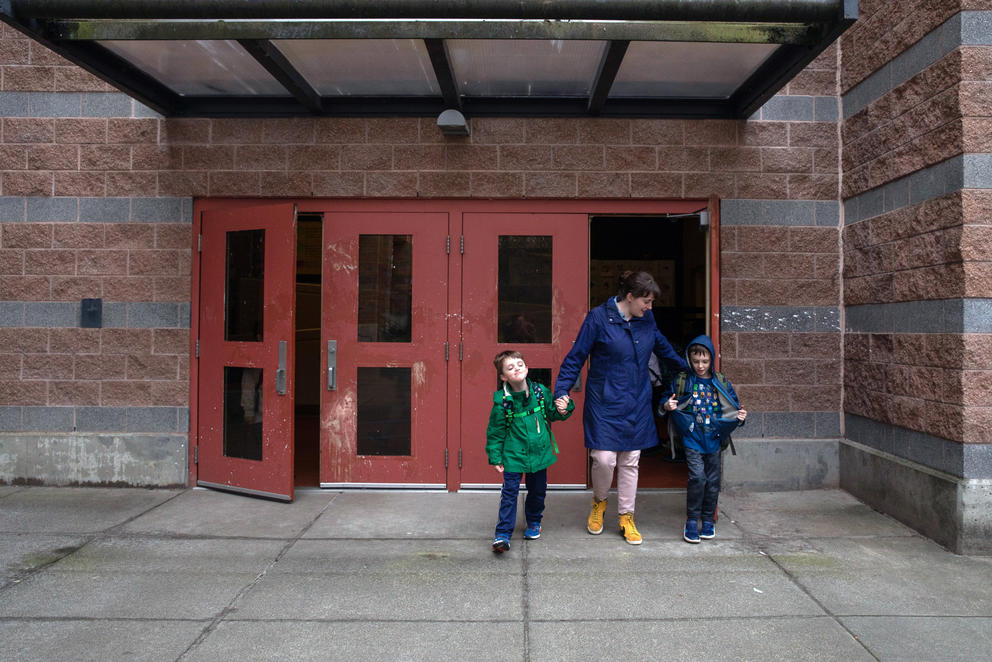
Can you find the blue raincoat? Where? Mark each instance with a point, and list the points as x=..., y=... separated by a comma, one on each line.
x=704, y=438
x=617, y=414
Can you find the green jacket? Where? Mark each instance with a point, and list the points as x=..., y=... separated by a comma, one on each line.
x=523, y=444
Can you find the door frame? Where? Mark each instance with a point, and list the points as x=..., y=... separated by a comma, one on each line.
x=456, y=265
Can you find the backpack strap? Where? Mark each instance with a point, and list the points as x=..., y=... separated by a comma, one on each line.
x=539, y=395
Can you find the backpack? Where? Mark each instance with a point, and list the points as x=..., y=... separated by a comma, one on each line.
x=539, y=409
x=680, y=392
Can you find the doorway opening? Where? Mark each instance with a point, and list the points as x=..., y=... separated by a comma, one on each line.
x=673, y=249
x=306, y=464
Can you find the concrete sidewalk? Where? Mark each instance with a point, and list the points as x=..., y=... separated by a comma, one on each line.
x=115, y=574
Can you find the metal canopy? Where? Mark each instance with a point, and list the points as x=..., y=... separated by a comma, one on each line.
x=565, y=58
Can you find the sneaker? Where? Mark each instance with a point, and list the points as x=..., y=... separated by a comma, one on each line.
x=533, y=531
x=691, y=533
x=628, y=530
x=595, y=523
x=501, y=544
x=708, y=531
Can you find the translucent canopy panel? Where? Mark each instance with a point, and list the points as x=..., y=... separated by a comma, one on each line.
x=525, y=68
x=363, y=67
x=684, y=69
x=199, y=68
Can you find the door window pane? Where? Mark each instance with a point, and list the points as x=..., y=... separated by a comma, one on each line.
x=385, y=287
x=384, y=411
x=524, y=289
x=243, y=412
x=540, y=376
x=243, y=289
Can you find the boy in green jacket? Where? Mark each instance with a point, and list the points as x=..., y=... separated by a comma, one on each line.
x=519, y=441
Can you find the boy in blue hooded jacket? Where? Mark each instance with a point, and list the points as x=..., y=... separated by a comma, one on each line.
x=705, y=410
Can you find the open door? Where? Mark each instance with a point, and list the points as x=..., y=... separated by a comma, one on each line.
x=246, y=349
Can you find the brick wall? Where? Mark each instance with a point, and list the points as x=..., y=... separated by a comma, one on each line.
x=917, y=234
x=95, y=195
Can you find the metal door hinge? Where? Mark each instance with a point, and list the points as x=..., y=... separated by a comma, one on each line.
x=197, y=352
x=446, y=350
x=199, y=243
x=459, y=458
x=461, y=351
x=196, y=454
x=461, y=244
x=447, y=244
x=445, y=458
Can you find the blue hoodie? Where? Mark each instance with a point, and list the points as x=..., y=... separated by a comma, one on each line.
x=707, y=412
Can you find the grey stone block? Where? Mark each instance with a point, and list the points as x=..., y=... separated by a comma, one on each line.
x=788, y=109
x=864, y=93
x=977, y=460
x=157, y=210
x=827, y=213
x=114, y=315
x=187, y=210
x=896, y=194
x=53, y=104
x=11, y=313
x=825, y=109
x=12, y=209
x=788, y=212
x=100, y=419
x=149, y=315
x=871, y=203
x=141, y=110
x=14, y=104
x=740, y=212
x=927, y=184
x=977, y=316
x=54, y=314
x=851, y=213
x=827, y=318
x=977, y=171
x=868, y=318
x=827, y=424
x=976, y=28
x=151, y=419
x=46, y=419
x=184, y=315
x=10, y=419
x=104, y=210
x=797, y=425
x=106, y=104
x=53, y=209
x=183, y=425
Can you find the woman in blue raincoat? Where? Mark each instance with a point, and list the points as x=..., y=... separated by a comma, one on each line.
x=618, y=338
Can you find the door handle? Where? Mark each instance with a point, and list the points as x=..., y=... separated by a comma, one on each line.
x=332, y=365
x=281, y=369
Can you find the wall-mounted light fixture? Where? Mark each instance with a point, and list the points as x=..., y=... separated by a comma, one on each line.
x=453, y=123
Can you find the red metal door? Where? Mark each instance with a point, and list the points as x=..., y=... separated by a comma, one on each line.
x=383, y=403
x=525, y=287
x=246, y=334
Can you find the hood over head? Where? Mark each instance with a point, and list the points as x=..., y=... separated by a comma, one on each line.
x=704, y=341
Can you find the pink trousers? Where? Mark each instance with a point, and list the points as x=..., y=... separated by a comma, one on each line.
x=625, y=463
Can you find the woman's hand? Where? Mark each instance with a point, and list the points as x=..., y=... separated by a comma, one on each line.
x=672, y=403
x=561, y=404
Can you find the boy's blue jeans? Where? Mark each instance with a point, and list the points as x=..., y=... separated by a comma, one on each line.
x=537, y=489
x=704, y=485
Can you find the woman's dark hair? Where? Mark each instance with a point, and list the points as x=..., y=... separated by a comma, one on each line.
x=637, y=283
